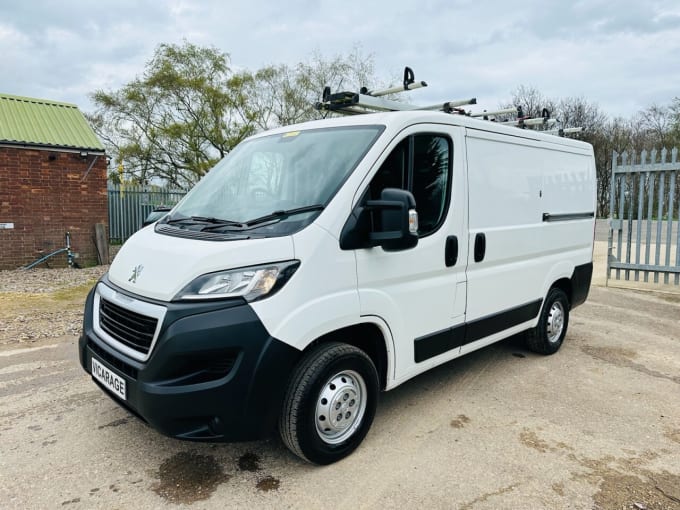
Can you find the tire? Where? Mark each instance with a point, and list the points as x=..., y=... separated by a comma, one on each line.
x=330, y=403
x=548, y=335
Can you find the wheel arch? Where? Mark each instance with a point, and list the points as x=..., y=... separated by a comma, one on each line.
x=370, y=337
x=565, y=285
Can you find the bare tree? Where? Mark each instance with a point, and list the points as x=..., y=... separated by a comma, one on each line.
x=657, y=123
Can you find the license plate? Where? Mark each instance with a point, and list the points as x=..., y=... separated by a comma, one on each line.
x=113, y=382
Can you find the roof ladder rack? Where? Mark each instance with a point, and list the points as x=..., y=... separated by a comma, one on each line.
x=369, y=101
x=372, y=101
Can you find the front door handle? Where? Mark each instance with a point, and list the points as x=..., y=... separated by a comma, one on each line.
x=451, y=252
x=480, y=247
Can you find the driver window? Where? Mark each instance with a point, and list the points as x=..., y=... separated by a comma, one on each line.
x=420, y=164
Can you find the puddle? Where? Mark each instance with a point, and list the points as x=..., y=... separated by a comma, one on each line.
x=188, y=477
x=249, y=462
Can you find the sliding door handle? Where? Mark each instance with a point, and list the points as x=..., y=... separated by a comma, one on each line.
x=480, y=247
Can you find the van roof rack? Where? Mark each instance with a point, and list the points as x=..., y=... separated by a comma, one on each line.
x=372, y=101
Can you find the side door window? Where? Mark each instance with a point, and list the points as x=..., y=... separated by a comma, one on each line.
x=420, y=164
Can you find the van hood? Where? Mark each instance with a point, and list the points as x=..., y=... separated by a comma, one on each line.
x=158, y=266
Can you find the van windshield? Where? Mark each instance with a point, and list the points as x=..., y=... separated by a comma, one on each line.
x=274, y=185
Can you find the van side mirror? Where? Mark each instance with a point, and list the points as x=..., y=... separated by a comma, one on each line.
x=391, y=222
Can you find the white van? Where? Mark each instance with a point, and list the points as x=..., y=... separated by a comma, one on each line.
x=319, y=264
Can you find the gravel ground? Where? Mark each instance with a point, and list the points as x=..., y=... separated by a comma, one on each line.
x=39, y=281
x=41, y=304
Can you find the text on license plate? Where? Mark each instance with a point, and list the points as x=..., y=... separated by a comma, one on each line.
x=113, y=382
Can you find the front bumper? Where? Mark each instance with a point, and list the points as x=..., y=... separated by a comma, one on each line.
x=214, y=373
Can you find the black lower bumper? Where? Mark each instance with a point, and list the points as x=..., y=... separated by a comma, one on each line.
x=580, y=283
x=214, y=373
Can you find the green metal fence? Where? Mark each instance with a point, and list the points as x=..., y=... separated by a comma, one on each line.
x=644, y=235
x=130, y=204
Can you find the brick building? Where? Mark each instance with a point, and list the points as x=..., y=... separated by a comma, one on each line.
x=52, y=180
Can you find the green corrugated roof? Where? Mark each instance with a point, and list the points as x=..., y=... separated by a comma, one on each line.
x=29, y=121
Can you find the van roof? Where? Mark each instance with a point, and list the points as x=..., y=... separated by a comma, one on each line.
x=396, y=121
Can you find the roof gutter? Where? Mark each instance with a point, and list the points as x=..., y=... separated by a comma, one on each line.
x=39, y=147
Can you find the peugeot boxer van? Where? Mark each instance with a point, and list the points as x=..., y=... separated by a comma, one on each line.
x=320, y=264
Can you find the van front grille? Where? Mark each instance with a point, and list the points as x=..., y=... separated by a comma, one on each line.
x=101, y=353
x=127, y=327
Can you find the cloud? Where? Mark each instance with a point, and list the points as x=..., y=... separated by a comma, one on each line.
x=620, y=56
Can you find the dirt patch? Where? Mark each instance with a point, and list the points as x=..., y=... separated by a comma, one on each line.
x=115, y=423
x=269, y=483
x=671, y=298
x=624, y=483
x=620, y=491
x=188, y=477
x=460, y=421
x=529, y=439
x=485, y=497
x=673, y=435
x=623, y=358
x=558, y=488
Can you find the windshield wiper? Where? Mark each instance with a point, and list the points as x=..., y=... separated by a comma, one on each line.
x=279, y=215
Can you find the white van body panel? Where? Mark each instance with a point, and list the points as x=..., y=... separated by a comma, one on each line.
x=513, y=181
x=170, y=263
x=320, y=298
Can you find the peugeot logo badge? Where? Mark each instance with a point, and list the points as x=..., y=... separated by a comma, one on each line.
x=136, y=273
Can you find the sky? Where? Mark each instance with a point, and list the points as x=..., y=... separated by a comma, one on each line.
x=621, y=55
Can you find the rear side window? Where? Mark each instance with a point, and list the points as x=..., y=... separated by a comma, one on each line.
x=420, y=164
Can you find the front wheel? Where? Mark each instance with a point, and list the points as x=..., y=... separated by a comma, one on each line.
x=330, y=403
x=547, y=336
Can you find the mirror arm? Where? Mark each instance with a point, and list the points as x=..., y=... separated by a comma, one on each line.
x=373, y=205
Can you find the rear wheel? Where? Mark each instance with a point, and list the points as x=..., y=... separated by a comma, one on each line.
x=330, y=403
x=549, y=333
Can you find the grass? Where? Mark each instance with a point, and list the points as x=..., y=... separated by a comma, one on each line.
x=22, y=303
x=78, y=293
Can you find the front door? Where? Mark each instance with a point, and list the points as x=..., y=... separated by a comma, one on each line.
x=420, y=292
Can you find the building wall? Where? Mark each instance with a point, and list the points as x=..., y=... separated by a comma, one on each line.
x=46, y=193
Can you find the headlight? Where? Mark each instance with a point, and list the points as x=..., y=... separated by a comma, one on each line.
x=250, y=283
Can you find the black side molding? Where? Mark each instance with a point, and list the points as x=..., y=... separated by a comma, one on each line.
x=432, y=345
x=498, y=322
x=549, y=217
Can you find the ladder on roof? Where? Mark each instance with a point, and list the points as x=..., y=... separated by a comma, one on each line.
x=372, y=101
